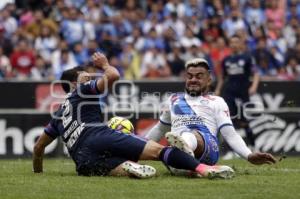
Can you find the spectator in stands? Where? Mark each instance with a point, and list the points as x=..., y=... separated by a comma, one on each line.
x=137, y=38
x=47, y=7
x=92, y=11
x=293, y=10
x=154, y=64
x=279, y=43
x=169, y=38
x=46, y=43
x=81, y=54
x=5, y=67
x=175, y=6
x=189, y=39
x=293, y=53
x=252, y=40
x=293, y=68
x=131, y=61
x=233, y=23
x=175, y=60
x=254, y=15
x=62, y=59
x=194, y=8
x=265, y=61
x=153, y=39
x=111, y=23
x=42, y=70
x=173, y=21
x=22, y=59
x=8, y=22
x=290, y=31
x=57, y=11
x=214, y=8
x=5, y=42
x=275, y=12
x=153, y=23
x=72, y=27
x=33, y=28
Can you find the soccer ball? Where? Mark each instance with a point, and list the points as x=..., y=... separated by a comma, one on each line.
x=121, y=124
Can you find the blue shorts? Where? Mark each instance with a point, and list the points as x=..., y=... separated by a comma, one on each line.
x=210, y=155
x=100, y=152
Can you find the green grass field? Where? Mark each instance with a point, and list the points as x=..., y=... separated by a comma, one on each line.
x=60, y=181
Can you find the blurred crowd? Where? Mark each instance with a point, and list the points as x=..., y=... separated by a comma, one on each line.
x=148, y=38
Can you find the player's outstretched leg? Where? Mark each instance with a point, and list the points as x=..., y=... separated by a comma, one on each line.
x=178, y=159
x=138, y=170
x=216, y=171
x=178, y=142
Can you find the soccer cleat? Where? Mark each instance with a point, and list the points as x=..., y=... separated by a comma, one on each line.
x=139, y=170
x=216, y=171
x=177, y=141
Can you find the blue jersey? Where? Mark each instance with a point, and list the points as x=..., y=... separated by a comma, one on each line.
x=237, y=70
x=79, y=115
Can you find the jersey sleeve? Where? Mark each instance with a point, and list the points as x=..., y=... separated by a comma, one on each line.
x=89, y=88
x=222, y=114
x=165, y=116
x=51, y=129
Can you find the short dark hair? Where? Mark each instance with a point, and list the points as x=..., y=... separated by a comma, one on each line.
x=197, y=62
x=70, y=75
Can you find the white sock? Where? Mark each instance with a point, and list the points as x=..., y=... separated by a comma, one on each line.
x=190, y=139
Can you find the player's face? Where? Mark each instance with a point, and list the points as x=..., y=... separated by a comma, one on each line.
x=197, y=81
x=235, y=44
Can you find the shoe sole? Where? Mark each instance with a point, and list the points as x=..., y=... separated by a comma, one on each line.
x=224, y=174
x=178, y=142
x=139, y=171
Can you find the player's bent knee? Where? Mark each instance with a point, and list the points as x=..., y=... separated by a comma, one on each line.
x=151, y=151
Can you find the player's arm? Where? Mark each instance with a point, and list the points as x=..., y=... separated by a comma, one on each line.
x=255, y=77
x=236, y=142
x=158, y=131
x=254, y=85
x=110, y=75
x=163, y=125
x=38, y=152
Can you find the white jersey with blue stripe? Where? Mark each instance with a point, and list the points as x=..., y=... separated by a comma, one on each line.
x=206, y=113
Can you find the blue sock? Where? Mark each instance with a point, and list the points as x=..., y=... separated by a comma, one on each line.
x=178, y=159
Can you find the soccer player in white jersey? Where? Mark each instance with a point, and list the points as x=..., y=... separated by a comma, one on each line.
x=192, y=120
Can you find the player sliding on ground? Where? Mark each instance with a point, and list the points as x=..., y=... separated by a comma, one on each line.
x=191, y=121
x=97, y=149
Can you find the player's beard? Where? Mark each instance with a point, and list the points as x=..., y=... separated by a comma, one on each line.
x=195, y=93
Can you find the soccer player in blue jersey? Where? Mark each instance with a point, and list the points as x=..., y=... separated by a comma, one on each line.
x=97, y=149
x=234, y=81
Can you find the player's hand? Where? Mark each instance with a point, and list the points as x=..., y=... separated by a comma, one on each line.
x=261, y=158
x=100, y=60
x=252, y=90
